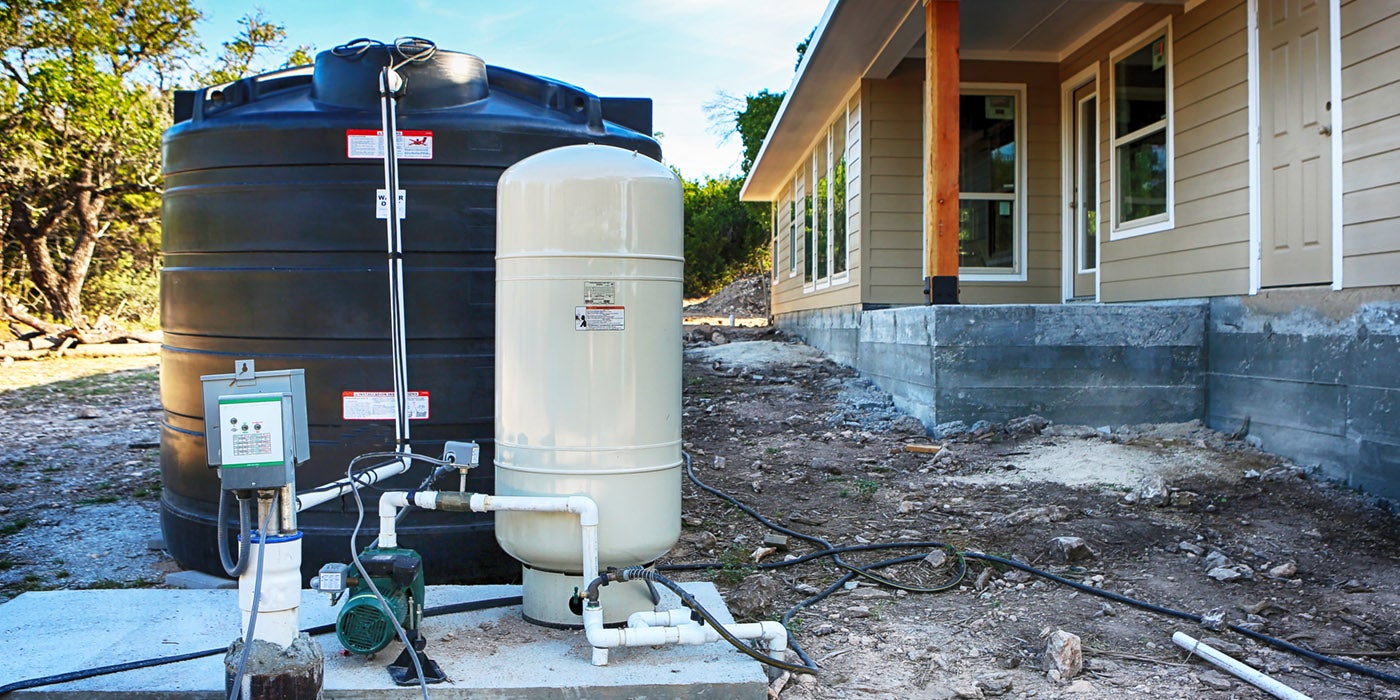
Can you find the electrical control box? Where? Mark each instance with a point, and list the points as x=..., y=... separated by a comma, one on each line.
x=255, y=426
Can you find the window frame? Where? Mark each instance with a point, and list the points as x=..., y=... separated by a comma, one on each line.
x=1019, y=198
x=824, y=145
x=1156, y=223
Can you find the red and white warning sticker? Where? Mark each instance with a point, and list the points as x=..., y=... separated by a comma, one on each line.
x=600, y=318
x=368, y=143
x=380, y=405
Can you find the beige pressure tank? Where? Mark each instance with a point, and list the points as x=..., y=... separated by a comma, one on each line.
x=589, y=257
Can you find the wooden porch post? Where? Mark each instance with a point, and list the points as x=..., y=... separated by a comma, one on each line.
x=941, y=133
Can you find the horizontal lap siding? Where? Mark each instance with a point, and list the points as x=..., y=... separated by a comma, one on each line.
x=1370, y=143
x=892, y=180
x=1207, y=253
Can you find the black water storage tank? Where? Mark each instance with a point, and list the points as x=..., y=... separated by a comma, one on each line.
x=273, y=252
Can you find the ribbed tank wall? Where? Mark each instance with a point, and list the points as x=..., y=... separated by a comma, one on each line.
x=273, y=252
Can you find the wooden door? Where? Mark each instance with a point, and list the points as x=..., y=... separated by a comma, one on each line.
x=1295, y=148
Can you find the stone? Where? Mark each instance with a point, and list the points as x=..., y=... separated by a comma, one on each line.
x=1226, y=574
x=1225, y=647
x=1034, y=515
x=932, y=692
x=967, y=691
x=938, y=558
x=1026, y=425
x=1152, y=491
x=857, y=611
x=1081, y=686
x=1191, y=547
x=1284, y=570
x=994, y=684
x=981, y=428
x=1215, y=680
x=1070, y=549
x=754, y=597
x=907, y=425
x=829, y=466
x=1216, y=559
x=1063, y=654
x=1185, y=499
x=950, y=430
x=719, y=338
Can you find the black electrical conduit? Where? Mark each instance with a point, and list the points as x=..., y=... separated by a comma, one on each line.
x=450, y=609
x=960, y=556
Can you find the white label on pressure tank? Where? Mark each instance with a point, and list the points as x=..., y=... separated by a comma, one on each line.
x=599, y=318
x=603, y=293
x=380, y=405
x=381, y=204
x=408, y=145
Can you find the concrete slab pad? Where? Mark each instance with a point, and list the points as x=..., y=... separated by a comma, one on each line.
x=486, y=654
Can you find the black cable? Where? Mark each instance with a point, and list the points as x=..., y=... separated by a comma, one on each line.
x=852, y=572
x=449, y=609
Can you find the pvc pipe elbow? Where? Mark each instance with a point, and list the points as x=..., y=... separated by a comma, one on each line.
x=586, y=509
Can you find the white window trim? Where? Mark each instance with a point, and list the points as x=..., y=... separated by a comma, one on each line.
x=826, y=142
x=1161, y=222
x=1020, y=255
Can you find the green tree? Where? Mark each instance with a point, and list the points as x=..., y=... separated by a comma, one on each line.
x=84, y=98
x=81, y=131
x=724, y=237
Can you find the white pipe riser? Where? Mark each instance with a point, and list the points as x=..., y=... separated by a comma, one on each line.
x=280, y=596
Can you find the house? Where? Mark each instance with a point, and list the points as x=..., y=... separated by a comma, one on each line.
x=1158, y=210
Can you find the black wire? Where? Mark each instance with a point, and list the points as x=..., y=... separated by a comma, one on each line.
x=852, y=572
x=449, y=609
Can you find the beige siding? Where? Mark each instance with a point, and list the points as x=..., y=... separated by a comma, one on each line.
x=1370, y=145
x=1207, y=252
x=892, y=215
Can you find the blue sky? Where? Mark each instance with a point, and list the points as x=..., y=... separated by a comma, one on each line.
x=677, y=52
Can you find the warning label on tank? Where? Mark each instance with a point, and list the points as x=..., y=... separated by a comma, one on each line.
x=380, y=405
x=603, y=293
x=368, y=143
x=599, y=318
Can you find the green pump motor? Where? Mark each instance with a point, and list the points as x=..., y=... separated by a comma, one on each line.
x=362, y=626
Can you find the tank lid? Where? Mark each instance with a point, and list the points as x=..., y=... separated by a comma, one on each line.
x=348, y=75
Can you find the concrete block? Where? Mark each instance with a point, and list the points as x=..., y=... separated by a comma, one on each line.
x=910, y=364
x=984, y=325
x=1067, y=366
x=1289, y=357
x=1376, y=467
x=1073, y=404
x=1374, y=414
x=1121, y=324
x=1373, y=361
x=1308, y=406
x=198, y=580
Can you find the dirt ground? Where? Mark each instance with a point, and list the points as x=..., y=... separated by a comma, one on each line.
x=821, y=451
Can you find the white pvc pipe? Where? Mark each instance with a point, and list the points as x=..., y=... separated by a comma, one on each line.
x=341, y=487
x=280, y=595
x=669, y=627
x=1242, y=671
x=643, y=628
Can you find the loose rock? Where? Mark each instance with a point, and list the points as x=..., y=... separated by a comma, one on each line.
x=1217, y=681
x=1070, y=549
x=1063, y=654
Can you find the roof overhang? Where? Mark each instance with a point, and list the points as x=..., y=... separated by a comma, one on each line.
x=867, y=38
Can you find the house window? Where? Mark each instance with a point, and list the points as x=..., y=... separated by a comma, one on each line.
x=837, y=207
x=821, y=215
x=805, y=196
x=1141, y=170
x=991, y=233
x=826, y=234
